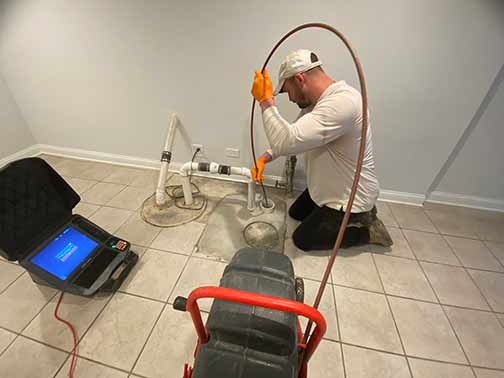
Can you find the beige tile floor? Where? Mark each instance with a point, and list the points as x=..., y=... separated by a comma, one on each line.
x=430, y=306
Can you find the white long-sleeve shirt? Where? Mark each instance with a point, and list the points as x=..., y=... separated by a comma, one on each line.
x=329, y=135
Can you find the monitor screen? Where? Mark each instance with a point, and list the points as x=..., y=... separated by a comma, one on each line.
x=64, y=253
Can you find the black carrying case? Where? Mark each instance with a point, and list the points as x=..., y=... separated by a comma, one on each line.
x=36, y=203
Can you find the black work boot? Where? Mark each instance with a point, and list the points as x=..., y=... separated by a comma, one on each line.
x=378, y=234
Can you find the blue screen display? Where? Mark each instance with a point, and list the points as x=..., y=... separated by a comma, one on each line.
x=64, y=253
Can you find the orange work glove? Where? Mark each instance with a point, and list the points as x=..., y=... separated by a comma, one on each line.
x=257, y=174
x=262, y=89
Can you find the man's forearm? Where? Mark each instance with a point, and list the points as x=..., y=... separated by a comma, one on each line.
x=267, y=103
x=267, y=156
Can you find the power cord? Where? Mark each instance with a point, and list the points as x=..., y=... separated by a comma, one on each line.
x=192, y=161
x=74, y=335
x=176, y=193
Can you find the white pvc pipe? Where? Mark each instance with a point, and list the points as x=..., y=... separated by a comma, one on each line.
x=241, y=172
x=186, y=181
x=214, y=169
x=251, y=201
x=161, y=196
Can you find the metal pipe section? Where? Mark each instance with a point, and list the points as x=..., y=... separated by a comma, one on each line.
x=251, y=193
x=290, y=167
x=216, y=168
x=161, y=195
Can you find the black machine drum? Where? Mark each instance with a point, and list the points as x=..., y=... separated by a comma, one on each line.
x=249, y=341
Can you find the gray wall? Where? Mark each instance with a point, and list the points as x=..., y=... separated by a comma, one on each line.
x=14, y=133
x=103, y=75
x=478, y=169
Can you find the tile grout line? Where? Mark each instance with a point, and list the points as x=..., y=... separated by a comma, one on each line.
x=20, y=334
x=470, y=267
x=419, y=300
x=392, y=214
x=97, y=363
x=94, y=211
x=328, y=340
x=420, y=259
x=135, y=210
x=202, y=257
x=170, y=252
x=9, y=344
x=410, y=298
x=13, y=281
x=464, y=236
x=91, y=187
x=392, y=315
x=40, y=311
x=147, y=339
x=165, y=305
x=79, y=339
x=430, y=284
x=424, y=275
x=141, y=297
x=449, y=234
x=339, y=327
x=46, y=344
x=477, y=286
x=413, y=356
x=485, y=243
x=449, y=321
x=461, y=266
x=437, y=297
x=454, y=363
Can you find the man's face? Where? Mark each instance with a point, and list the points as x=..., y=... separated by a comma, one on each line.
x=295, y=88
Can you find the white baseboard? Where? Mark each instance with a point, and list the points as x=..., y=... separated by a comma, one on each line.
x=473, y=202
x=402, y=197
x=132, y=161
x=27, y=152
x=99, y=157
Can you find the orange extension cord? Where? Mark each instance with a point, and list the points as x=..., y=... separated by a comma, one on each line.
x=74, y=334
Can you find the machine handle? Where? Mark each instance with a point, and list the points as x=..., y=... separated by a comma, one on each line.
x=120, y=273
x=260, y=300
x=180, y=304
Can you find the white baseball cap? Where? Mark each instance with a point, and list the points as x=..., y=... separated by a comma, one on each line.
x=295, y=62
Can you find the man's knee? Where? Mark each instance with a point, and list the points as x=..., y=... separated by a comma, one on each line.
x=301, y=241
x=294, y=213
x=302, y=206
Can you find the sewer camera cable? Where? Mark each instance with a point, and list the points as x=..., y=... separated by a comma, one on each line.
x=358, y=167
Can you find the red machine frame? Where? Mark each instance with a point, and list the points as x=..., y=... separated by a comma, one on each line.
x=266, y=301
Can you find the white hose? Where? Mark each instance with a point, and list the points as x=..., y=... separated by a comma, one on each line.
x=161, y=196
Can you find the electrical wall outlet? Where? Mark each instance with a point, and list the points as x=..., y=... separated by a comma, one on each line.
x=233, y=152
x=194, y=147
